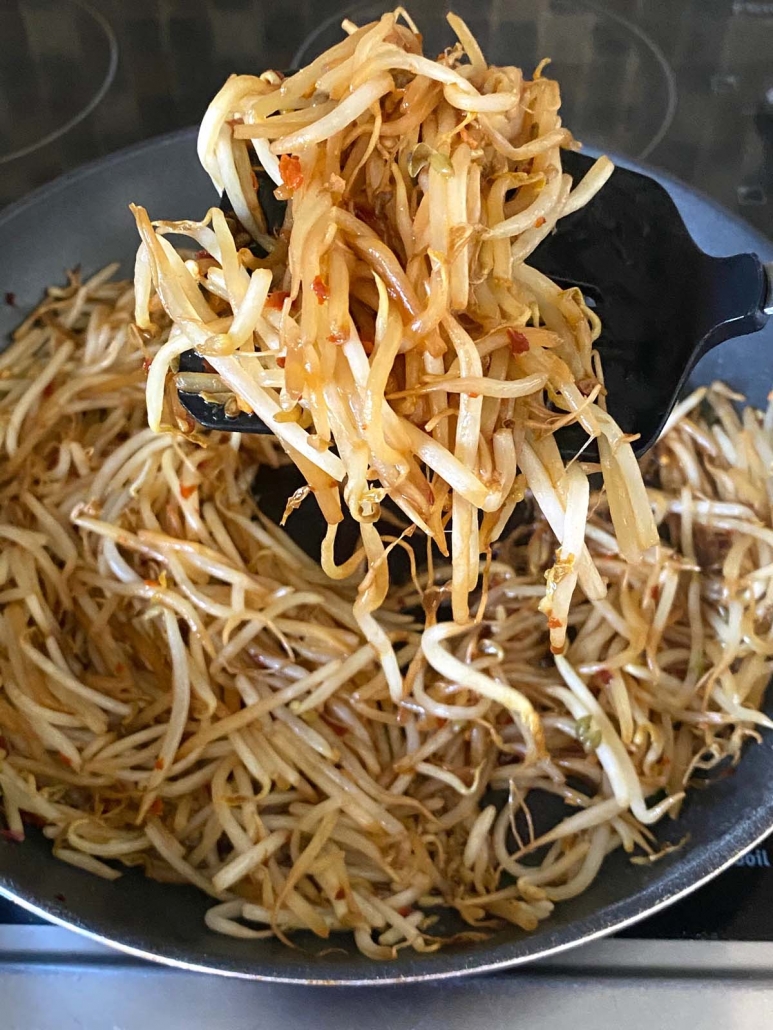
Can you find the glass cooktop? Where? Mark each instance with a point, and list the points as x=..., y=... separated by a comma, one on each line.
x=685, y=85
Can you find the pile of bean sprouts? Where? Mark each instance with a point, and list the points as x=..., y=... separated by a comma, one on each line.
x=315, y=747
x=394, y=339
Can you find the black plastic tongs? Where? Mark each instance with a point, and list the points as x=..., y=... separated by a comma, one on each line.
x=662, y=301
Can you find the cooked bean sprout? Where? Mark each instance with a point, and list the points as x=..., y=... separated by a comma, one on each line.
x=318, y=748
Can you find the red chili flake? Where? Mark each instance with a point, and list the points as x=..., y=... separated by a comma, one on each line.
x=405, y=911
x=33, y=819
x=159, y=764
x=321, y=292
x=339, y=730
x=65, y=759
x=10, y=299
x=187, y=490
x=290, y=170
x=519, y=343
x=12, y=835
x=281, y=362
x=208, y=367
x=340, y=894
x=200, y=254
x=146, y=365
x=157, y=808
x=472, y=396
x=48, y=390
x=338, y=336
x=367, y=346
x=276, y=299
x=655, y=593
x=604, y=676
x=540, y=222
x=554, y=623
x=152, y=583
x=120, y=669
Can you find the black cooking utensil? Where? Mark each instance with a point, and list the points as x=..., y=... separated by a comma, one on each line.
x=662, y=301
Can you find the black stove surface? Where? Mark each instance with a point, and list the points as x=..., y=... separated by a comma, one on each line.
x=685, y=85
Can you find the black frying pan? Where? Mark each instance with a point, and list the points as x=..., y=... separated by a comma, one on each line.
x=83, y=218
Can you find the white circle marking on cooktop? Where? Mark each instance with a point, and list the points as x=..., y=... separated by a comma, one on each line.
x=80, y=8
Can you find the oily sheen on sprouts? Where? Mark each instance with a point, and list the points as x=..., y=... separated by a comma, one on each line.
x=322, y=747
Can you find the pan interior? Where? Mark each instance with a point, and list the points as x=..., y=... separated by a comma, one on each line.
x=86, y=219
